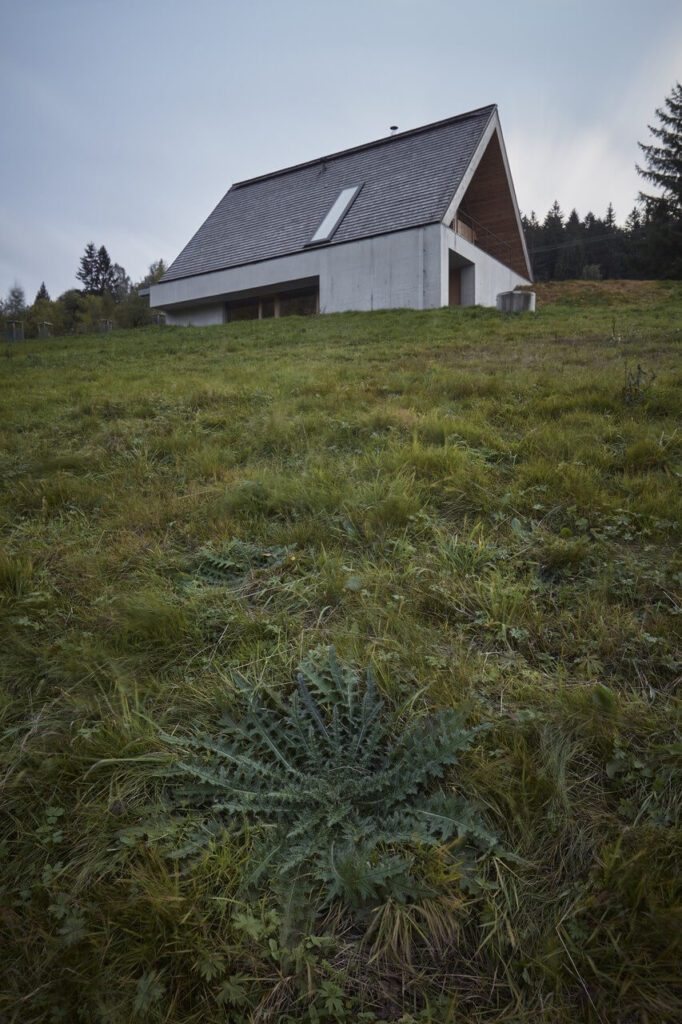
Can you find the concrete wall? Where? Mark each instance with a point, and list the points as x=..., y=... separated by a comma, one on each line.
x=405, y=269
x=197, y=316
x=482, y=282
x=401, y=269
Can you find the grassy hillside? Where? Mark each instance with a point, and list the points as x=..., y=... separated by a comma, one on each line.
x=483, y=510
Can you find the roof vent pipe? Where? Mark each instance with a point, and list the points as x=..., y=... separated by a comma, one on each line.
x=393, y=129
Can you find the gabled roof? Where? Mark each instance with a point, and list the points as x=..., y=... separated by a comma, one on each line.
x=407, y=180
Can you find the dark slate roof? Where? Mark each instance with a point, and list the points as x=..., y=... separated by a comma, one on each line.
x=407, y=179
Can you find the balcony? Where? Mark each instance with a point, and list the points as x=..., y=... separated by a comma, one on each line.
x=475, y=233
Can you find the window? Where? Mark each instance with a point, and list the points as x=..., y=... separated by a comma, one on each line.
x=246, y=310
x=298, y=304
x=294, y=302
x=335, y=215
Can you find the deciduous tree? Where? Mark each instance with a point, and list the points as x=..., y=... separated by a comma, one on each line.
x=120, y=283
x=15, y=303
x=156, y=271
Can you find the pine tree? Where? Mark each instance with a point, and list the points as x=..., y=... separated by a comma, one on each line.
x=98, y=274
x=593, y=228
x=553, y=231
x=42, y=295
x=664, y=162
x=105, y=272
x=612, y=246
x=88, y=269
x=662, y=246
x=532, y=230
x=635, y=264
x=634, y=221
x=571, y=258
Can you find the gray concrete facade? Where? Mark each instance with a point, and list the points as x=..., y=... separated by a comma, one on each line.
x=402, y=270
x=398, y=270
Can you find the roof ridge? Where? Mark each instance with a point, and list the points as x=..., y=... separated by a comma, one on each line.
x=385, y=140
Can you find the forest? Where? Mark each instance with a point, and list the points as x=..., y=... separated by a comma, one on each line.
x=647, y=247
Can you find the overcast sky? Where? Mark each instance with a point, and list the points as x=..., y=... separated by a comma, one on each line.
x=125, y=122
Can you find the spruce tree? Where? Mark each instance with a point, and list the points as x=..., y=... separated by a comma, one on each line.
x=612, y=246
x=663, y=236
x=634, y=221
x=635, y=263
x=97, y=272
x=88, y=269
x=105, y=272
x=664, y=161
x=532, y=230
x=42, y=295
x=553, y=231
x=571, y=257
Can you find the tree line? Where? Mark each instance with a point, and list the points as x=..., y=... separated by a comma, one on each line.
x=568, y=247
x=107, y=293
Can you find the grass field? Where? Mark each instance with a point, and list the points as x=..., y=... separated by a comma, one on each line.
x=485, y=511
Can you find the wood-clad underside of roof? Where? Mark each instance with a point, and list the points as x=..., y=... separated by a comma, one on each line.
x=488, y=208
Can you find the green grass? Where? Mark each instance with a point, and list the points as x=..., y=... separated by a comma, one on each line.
x=473, y=505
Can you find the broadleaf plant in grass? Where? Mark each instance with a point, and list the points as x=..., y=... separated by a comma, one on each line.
x=339, y=799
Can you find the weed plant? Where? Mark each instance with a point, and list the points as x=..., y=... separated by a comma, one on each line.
x=467, y=503
x=343, y=808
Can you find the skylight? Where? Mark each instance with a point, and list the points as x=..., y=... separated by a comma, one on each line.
x=335, y=215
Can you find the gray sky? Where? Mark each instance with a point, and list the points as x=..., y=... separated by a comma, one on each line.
x=125, y=122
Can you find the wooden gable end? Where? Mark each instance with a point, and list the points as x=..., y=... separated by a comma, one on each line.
x=487, y=213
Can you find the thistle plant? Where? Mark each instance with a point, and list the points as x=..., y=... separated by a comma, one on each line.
x=341, y=801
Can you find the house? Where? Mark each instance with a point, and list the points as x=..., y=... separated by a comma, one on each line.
x=419, y=219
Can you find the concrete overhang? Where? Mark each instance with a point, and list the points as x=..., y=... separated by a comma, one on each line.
x=278, y=288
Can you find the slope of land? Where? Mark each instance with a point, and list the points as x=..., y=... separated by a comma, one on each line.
x=486, y=511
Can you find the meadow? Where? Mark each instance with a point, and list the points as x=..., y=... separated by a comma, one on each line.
x=481, y=510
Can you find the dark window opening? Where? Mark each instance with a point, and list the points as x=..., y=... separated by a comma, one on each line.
x=298, y=304
x=247, y=310
x=301, y=302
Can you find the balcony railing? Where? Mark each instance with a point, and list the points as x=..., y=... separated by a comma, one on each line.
x=482, y=237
